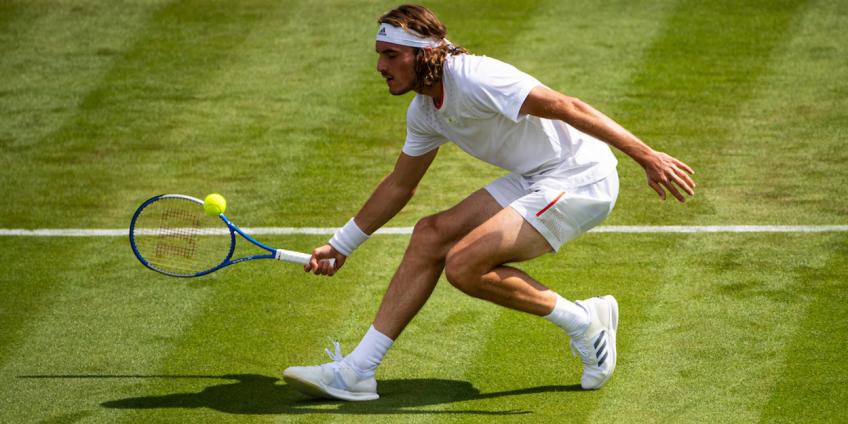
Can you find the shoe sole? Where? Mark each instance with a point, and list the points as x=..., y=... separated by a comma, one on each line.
x=614, y=321
x=321, y=391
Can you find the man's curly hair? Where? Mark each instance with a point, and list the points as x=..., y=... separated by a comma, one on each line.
x=429, y=63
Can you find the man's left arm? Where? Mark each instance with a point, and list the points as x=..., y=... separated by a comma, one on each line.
x=662, y=170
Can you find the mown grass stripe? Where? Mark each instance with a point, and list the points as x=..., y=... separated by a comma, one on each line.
x=293, y=51
x=39, y=44
x=53, y=56
x=174, y=33
x=687, y=99
x=262, y=341
x=25, y=290
x=414, y=375
x=134, y=124
x=13, y=19
x=706, y=346
x=812, y=118
x=95, y=315
x=693, y=69
x=592, y=51
x=811, y=387
x=787, y=159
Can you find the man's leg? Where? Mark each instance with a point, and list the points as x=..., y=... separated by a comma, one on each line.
x=424, y=260
x=475, y=266
x=417, y=275
x=352, y=377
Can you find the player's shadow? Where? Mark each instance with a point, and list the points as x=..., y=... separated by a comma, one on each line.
x=259, y=394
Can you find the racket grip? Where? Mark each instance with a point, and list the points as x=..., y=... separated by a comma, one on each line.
x=297, y=257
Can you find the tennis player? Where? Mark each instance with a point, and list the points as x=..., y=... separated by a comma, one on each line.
x=562, y=182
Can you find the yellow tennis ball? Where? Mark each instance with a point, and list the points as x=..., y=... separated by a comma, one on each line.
x=214, y=204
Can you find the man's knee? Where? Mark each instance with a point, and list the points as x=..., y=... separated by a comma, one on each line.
x=429, y=236
x=462, y=274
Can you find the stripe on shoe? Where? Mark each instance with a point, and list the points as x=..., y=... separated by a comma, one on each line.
x=600, y=348
x=600, y=337
x=601, y=361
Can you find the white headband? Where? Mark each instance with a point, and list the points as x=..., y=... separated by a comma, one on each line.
x=410, y=38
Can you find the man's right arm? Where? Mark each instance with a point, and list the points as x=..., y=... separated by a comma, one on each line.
x=390, y=196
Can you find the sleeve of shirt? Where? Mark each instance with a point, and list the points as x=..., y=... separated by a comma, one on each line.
x=420, y=137
x=498, y=87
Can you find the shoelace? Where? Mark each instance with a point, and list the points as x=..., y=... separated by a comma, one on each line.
x=337, y=357
x=337, y=364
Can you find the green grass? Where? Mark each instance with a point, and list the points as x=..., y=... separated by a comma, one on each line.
x=277, y=105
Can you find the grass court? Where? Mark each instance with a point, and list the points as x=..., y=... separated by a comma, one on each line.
x=278, y=106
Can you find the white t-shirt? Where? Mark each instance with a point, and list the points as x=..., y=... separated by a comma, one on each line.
x=480, y=114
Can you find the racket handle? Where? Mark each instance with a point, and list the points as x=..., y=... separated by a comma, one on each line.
x=297, y=257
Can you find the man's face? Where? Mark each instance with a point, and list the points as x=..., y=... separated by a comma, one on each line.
x=397, y=65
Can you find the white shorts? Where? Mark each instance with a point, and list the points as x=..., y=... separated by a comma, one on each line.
x=560, y=215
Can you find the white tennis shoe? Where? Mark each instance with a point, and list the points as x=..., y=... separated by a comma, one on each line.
x=596, y=346
x=333, y=380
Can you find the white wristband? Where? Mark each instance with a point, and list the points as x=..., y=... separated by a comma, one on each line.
x=348, y=238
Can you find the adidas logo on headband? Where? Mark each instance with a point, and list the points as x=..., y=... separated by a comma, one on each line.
x=382, y=31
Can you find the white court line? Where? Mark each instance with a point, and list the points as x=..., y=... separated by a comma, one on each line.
x=721, y=229
x=79, y=232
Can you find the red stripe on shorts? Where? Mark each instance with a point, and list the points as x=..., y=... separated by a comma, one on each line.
x=549, y=205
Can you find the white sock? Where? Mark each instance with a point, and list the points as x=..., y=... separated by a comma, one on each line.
x=369, y=352
x=569, y=316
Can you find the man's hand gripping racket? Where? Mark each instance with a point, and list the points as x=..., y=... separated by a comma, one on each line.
x=325, y=260
x=329, y=258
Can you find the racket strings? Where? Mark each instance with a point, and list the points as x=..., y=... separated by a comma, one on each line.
x=181, y=225
x=175, y=235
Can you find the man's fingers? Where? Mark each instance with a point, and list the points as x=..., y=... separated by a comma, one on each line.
x=328, y=265
x=311, y=265
x=688, y=182
x=324, y=261
x=671, y=188
x=316, y=265
x=686, y=167
x=671, y=174
x=657, y=188
x=684, y=182
x=322, y=266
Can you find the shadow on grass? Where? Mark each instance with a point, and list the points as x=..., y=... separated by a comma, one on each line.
x=259, y=394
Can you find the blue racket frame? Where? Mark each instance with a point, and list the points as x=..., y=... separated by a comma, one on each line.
x=279, y=254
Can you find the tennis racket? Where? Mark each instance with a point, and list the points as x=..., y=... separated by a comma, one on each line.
x=172, y=234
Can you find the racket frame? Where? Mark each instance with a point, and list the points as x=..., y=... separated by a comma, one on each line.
x=279, y=254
